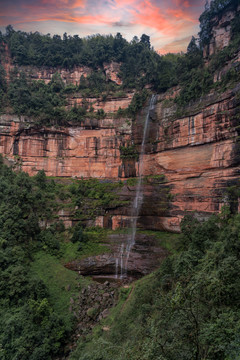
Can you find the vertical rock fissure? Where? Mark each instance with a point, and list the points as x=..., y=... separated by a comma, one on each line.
x=137, y=203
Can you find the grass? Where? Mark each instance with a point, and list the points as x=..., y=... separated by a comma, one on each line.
x=57, y=280
x=70, y=251
x=96, y=245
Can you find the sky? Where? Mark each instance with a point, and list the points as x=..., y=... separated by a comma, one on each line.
x=169, y=23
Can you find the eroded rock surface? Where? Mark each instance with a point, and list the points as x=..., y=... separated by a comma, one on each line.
x=197, y=152
x=145, y=256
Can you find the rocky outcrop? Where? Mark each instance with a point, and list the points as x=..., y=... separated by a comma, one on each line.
x=112, y=72
x=89, y=306
x=145, y=256
x=220, y=34
x=110, y=105
x=91, y=150
x=197, y=154
x=69, y=76
x=191, y=161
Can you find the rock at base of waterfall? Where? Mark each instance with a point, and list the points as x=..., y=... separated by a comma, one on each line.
x=145, y=256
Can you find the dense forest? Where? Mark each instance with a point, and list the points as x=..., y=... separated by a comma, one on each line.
x=34, y=245
x=190, y=307
x=141, y=65
x=187, y=309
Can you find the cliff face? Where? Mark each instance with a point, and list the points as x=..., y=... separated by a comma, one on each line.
x=220, y=35
x=91, y=150
x=191, y=161
x=69, y=76
x=198, y=154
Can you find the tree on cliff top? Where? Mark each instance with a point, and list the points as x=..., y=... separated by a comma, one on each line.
x=214, y=9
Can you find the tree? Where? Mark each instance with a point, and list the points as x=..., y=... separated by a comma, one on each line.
x=192, y=47
x=56, y=83
x=9, y=31
x=41, y=179
x=145, y=40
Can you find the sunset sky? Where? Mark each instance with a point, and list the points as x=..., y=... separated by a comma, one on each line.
x=169, y=23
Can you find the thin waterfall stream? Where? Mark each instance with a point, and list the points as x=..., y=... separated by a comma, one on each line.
x=125, y=250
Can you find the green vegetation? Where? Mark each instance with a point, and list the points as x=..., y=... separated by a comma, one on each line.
x=139, y=60
x=31, y=328
x=129, y=152
x=36, y=99
x=169, y=241
x=188, y=309
x=89, y=242
x=46, y=102
x=140, y=66
x=92, y=197
x=138, y=101
x=59, y=281
x=215, y=8
x=156, y=179
x=196, y=79
x=35, y=287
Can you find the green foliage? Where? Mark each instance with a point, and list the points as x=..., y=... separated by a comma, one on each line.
x=37, y=99
x=188, y=309
x=45, y=102
x=216, y=8
x=132, y=181
x=28, y=317
x=92, y=197
x=76, y=114
x=95, y=84
x=141, y=65
x=34, y=285
x=128, y=152
x=137, y=56
x=196, y=80
x=57, y=280
x=79, y=235
x=138, y=101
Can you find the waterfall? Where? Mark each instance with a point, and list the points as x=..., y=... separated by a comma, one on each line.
x=137, y=203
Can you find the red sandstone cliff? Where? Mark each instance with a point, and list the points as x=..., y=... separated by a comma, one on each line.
x=198, y=152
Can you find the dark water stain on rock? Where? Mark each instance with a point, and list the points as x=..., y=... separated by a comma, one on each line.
x=145, y=256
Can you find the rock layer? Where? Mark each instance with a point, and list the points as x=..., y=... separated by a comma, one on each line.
x=197, y=153
x=191, y=161
x=145, y=256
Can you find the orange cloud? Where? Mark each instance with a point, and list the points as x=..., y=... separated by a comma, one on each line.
x=124, y=3
x=180, y=14
x=167, y=21
x=70, y=4
x=176, y=46
x=149, y=15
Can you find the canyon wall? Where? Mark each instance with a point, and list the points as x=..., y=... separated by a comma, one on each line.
x=190, y=162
